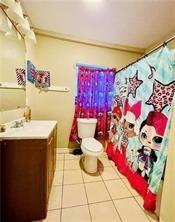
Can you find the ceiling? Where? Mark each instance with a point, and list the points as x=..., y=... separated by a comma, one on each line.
x=136, y=23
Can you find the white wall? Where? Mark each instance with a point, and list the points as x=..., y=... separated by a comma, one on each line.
x=12, y=114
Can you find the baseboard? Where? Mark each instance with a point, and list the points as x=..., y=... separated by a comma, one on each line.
x=65, y=150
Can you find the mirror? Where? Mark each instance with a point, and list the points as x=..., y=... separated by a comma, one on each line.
x=12, y=57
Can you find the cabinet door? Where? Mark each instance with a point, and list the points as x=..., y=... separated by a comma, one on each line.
x=24, y=180
x=54, y=148
x=51, y=159
x=50, y=162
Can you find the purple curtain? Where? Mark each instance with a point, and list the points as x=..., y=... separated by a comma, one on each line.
x=94, y=99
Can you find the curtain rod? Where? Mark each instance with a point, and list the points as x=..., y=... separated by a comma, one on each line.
x=153, y=50
x=93, y=66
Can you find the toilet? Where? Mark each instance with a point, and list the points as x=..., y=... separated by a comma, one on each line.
x=90, y=147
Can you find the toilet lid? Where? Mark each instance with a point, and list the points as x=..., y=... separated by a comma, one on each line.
x=92, y=144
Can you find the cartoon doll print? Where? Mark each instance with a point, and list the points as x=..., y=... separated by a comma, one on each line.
x=115, y=119
x=131, y=152
x=129, y=124
x=42, y=79
x=151, y=135
x=121, y=91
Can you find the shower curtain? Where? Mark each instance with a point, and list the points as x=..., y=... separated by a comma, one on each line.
x=141, y=117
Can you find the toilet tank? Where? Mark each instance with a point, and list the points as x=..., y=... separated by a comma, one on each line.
x=86, y=127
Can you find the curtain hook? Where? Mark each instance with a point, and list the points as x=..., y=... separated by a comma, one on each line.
x=164, y=44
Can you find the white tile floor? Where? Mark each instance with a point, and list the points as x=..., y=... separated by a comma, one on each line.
x=104, y=197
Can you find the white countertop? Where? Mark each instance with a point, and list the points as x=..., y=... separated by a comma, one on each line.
x=35, y=129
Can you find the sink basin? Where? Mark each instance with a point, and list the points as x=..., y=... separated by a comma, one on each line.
x=29, y=130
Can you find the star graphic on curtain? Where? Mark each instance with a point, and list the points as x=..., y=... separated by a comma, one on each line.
x=162, y=95
x=134, y=84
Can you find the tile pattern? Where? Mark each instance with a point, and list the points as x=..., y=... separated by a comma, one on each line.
x=55, y=198
x=104, y=212
x=102, y=197
x=58, y=178
x=130, y=211
x=73, y=177
x=76, y=214
x=96, y=192
x=117, y=189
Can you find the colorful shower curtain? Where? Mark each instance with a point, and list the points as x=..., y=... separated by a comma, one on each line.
x=140, y=122
x=94, y=99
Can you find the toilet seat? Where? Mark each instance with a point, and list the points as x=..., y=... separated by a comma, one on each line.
x=91, y=145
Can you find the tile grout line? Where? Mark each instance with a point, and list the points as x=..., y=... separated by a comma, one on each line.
x=88, y=182
x=84, y=204
x=128, y=188
x=88, y=204
x=77, y=159
x=142, y=209
x=122, y=179
x=68, y=207
x=57, y=185
x=86, y=194
x=133, y=196
x=62, y=190
x=121, y=198
x=67, y=169
x=111, y=199
x=81, y=159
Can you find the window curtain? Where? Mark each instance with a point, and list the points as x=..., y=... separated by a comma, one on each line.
x=144, y=95
x=94, y=99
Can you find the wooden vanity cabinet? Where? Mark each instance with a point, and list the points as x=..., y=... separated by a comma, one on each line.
x=51, y=160
x=28, y=167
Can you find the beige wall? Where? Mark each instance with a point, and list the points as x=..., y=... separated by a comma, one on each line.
x=167, y=210
x=172, y=44
x=12, y=56
x=160, y=41
x=59, y=57
x=10, y=115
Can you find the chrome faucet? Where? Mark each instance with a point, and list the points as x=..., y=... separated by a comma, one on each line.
x=18, y=124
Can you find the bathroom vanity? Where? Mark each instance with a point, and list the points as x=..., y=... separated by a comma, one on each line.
x=28, y=158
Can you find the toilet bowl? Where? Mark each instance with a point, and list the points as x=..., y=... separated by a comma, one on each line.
x=92, y=149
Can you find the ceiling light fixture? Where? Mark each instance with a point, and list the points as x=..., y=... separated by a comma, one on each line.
x=5, y=24
x=16, y=24
x=14, y=11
